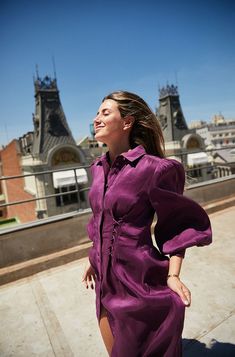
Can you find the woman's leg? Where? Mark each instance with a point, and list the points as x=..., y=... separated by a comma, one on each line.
x=106, y=330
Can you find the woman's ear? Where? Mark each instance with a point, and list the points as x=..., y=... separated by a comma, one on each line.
x=128, y=122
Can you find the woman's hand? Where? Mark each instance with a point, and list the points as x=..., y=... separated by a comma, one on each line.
x=89, y=276
x=179, y=288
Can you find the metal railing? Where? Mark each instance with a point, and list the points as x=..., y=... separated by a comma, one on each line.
x=4, y=178
x=211, y=168
x=182, y=154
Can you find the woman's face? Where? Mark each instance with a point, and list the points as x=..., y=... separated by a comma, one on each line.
x=108, y=123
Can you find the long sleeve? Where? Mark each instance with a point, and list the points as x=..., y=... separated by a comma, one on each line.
x=90, y=228
x=181, y=222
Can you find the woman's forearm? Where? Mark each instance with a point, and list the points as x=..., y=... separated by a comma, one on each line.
x=175, y=265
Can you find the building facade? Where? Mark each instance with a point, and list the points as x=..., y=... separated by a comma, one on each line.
x=49, y=147
x=14, y=190
x=219, y=138
x=181, y=142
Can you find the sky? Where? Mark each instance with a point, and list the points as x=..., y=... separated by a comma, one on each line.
x=101, y=46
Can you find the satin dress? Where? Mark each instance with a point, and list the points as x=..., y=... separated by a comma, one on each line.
x=145, y=316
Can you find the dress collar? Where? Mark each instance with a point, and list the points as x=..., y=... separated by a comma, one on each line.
x=129, y=155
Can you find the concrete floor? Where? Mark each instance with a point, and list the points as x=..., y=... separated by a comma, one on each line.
x=53, y=314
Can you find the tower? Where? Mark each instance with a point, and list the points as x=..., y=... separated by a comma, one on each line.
x=50, y=125
x=180, y=142
x=171, y=115
x=51, y=147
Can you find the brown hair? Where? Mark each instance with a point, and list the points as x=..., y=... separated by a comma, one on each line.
x=146, y=129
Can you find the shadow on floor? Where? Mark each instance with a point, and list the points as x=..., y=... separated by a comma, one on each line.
x=194, y=348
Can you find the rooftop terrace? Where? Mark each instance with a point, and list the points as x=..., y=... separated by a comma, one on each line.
x=51, y=313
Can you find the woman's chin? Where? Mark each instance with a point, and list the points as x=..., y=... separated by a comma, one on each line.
x=100, y=138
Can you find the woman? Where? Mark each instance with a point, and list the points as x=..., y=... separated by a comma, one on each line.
x=140, y=299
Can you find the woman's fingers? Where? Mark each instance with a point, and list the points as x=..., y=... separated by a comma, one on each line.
x=89, y=279
x=85, y=280
x=185, y=295
x=177, y=286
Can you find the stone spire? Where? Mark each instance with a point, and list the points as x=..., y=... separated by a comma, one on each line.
x=170, y=114
x=50, y=125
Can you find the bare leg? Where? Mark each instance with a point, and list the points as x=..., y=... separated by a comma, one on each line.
x=106, y=331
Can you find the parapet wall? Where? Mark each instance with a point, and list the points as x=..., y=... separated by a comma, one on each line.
x=212, y=191
x=35, y=241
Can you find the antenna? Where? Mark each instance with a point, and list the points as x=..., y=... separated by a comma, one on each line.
x=37, y=71
x=176, y=78
x=6, y=132
x=159, y=87
x=54, y=68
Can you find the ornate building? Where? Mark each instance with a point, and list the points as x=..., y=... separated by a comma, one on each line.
x=51, y=146
x=171, y=115
x=181, y=142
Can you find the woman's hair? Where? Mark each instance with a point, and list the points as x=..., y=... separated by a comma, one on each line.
x=146, y=129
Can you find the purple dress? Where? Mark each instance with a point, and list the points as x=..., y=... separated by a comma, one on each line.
x=146, y=317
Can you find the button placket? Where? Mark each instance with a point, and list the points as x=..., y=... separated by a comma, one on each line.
x=114, y=171
x=115, y=231
x=111, y=177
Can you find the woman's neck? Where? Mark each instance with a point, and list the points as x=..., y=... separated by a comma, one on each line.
x=116, y=150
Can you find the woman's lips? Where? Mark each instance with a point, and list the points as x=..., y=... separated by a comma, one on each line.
x=99, y=127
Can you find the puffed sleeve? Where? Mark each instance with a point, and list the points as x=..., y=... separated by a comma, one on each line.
x=181, y=222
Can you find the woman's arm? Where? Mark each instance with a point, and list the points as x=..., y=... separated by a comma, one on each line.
x=181, y=222
x=174, y=282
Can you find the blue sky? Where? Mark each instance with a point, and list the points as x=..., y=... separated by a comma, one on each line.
x=101, y=46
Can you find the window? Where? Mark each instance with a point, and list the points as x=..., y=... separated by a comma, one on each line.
x=196, y=172
x=69, y=198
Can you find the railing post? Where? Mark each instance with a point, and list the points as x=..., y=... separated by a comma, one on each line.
x=77, y=188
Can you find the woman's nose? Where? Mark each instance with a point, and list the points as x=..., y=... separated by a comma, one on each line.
x=96, y=119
